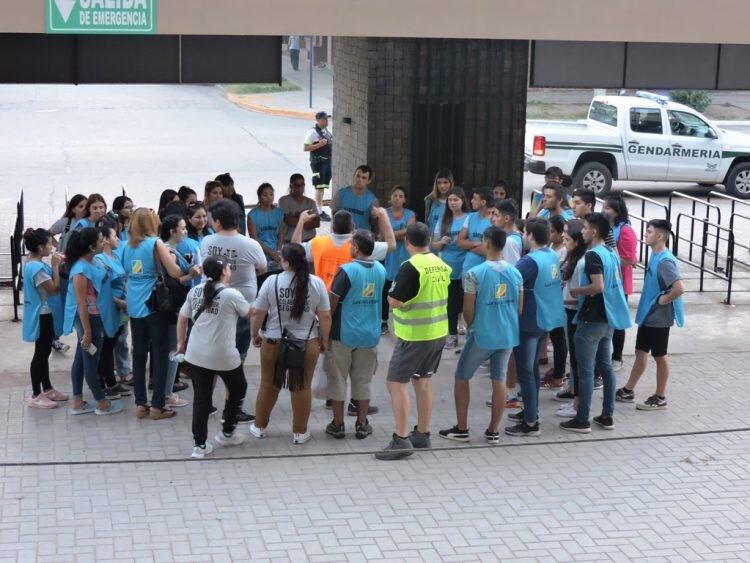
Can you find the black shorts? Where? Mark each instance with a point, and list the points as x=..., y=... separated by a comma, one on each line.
x=652, y=339
x=415, y=360
x=321, y=177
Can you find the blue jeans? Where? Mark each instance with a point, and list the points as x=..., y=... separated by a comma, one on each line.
x=122, y=353
x=86, y=366
x=527, y=372
x=472, y=357
x=594, y=349
x=242, y=339
x=150, y=333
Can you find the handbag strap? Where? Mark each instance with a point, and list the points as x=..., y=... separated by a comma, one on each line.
x=278, y=309
x=158, y=266
x=205, y=305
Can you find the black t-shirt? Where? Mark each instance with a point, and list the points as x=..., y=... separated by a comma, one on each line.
x=593, y=310
x=406, y=285
x=341, y=286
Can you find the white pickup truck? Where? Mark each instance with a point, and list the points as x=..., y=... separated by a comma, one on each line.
x=641, y=137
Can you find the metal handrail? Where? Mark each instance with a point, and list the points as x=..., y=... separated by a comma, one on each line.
x=708, y=206
x=727, y=274
x=731, y=228
x=16, y=255
x=734, y=200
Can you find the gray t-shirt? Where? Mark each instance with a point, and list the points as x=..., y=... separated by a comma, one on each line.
x=289, y=206
x=662, y=316
x=244, y=255
x=573, y=283
x=212, y=339
x=59, y=226
x=317, y=300
x=41, y=277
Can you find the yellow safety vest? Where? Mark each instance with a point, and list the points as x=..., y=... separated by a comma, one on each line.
x=425, y=317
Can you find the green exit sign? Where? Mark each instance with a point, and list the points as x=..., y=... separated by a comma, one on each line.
x=101, y=16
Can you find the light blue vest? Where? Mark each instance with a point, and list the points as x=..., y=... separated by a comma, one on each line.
x=32, y=303
x=190, y=247
x=140, y=269
x=114, y=285
x=495, y=325
x=435, y=210
x=476, y=227
x=550, y=309
x=652, y=291
x=394, y=259
x=267, y=225
x=451, y=253
x=358, y=205
x=566, y=214
x=362, y=306
x=615, y=304
x=124, y=235
x=99, y=278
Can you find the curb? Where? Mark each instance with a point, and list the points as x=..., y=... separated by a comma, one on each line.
x=254, y=105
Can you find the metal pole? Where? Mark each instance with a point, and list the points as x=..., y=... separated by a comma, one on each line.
x=310, y=61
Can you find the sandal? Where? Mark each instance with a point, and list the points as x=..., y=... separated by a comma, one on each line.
x=127, y=379
x=553, y=384
x=160, y=414
x=141, y=411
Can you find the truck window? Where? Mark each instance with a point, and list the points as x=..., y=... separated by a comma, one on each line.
x=646, y=120
x=603, y=113
x=687, y=125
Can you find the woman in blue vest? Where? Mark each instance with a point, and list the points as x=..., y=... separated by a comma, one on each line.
x=115, y=280
x=400, y=217
x=42, y=314
x=122, y=206
x=602, y=310
x=543, y=310
x=197, y=223
x=265, y=223
x=445, y=241
x=435, y=201
x=88, y=309
x=149, y=328
x=173, y=232
x=96, y=208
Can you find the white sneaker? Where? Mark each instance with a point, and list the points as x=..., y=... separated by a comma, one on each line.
x=617, y=365
x=255, y=431
x=301, y=438
x=201, y=452
x=41, y=401
x=451, y=342
x=234, y=440
x=566, y=411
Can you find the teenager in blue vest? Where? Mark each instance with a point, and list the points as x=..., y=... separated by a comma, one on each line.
x=265, y=223
x=553, y=201
x=436, y=201
x=42, y=313
x=148, y=328
x=602, y=310
x=478, y=221
x=660, y=307
x=96, y=209
x=356, y=294
x=108, y=260
x=543, y=310
x=493, y=300
x=357, y=199
x=88, y=310
x=197, y=222
x=445, y=241
x=122, y=208
x=400, y=217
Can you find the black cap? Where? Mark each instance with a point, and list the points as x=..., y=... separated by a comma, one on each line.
x=322, y=115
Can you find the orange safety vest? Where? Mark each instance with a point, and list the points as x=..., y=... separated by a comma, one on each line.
x=327, y=257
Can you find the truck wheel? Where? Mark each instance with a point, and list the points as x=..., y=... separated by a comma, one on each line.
x=738, y=181
x=593, y=176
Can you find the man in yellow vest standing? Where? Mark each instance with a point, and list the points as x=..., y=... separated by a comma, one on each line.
x=419, y=300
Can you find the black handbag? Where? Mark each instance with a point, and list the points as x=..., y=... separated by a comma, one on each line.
x=168, y=294
x=290, y=361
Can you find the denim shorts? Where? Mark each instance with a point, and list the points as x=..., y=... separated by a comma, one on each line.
x=472, y=357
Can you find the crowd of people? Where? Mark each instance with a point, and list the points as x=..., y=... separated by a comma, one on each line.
x=183, y=292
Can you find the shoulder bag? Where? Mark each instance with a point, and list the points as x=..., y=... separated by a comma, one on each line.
x=290, y=362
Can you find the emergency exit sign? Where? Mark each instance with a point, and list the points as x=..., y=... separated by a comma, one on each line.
x=101, y=16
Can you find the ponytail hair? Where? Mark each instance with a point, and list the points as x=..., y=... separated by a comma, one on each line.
x=294, y=254
x=36, y=239
x=80, y=243
x=213, y=267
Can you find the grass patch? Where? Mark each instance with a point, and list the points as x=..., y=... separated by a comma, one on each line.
x=243, y=89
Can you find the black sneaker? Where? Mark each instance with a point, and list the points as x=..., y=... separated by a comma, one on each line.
x=624, y=396
x=598, y=382
x=492, y=437
x=523, y=429
x=242, y=416
x=179, y=386
x=329, y=405
x=384, y=327
x=324, y=216
x=397, y=448
x=362, y=431
x=337, y=431
x=123, y=391
x=575, y=425
x=455, y=434
x=213, y=411
x=516, y=416
x=563, y=396
x=352, y=409
x=653, y=403
x=111, y=393
x=605, y=422
x=420, y=440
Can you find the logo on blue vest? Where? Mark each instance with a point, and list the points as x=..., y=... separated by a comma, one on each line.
x=501, y=290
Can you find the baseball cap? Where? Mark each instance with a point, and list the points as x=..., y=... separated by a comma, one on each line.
x=322, y=115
